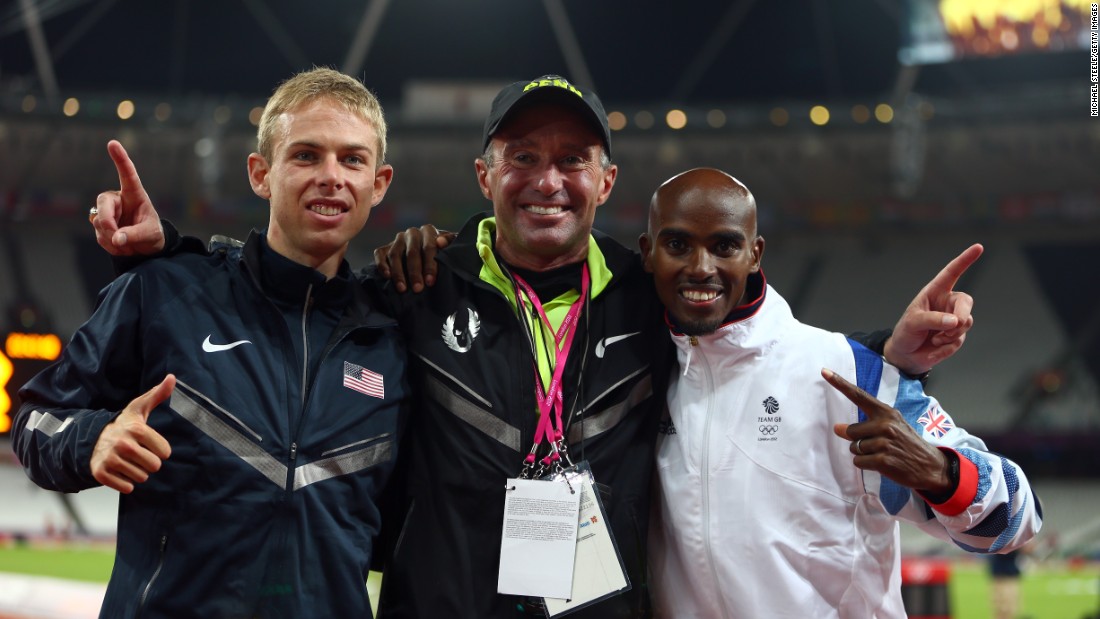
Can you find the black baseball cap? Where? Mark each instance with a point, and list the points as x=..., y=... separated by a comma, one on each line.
x=547, y=87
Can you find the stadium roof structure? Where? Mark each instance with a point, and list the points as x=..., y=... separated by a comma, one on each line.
x=643, y=52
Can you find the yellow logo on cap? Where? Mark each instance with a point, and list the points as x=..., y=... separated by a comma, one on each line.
x=559, y=82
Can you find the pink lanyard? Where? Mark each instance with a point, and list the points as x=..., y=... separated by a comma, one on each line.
x=551, y=401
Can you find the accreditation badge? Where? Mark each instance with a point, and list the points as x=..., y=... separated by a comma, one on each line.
x=598, y=570
x=539, y=540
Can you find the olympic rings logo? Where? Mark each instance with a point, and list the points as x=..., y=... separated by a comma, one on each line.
x=768, y=429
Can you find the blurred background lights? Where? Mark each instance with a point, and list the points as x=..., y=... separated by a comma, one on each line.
x=779, y=117
x=616, y=121
x=29, y=103
x=162, y=112
x=644, y=120
x=1041, y=37
x=254, y=115
x=716, y=119
x=676, y=119
x=884, y=113
x=204, y=147
x=819, y=115
x=860, y=113
x=125, y=109
x=71, y=107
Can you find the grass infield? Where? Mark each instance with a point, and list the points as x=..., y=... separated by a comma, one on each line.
x=1050, y=591
x=1053, y=590
x=83, y=563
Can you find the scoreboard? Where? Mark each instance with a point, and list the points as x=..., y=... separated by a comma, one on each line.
x=22, y=356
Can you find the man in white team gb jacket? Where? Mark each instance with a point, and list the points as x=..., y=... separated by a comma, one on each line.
x=780, y=481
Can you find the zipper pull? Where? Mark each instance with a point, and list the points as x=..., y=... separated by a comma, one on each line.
x=293, y=450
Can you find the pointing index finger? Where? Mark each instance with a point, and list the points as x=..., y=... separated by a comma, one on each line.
x=128, y=178
x=946, y=279
x=868, y=404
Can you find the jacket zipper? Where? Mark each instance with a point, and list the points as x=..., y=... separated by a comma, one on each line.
x=704, y=476
x=337, y=336
x=293, y=455
x=153, y=578
x=305, y=342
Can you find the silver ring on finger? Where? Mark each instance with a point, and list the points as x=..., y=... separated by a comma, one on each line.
x=859, y=450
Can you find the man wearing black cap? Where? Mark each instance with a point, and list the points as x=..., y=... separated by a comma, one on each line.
x=480, y=365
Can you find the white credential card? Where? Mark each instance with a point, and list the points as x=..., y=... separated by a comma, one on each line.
x=597, y=571
x=539, y=540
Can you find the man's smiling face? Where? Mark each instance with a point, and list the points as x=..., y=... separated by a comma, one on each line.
x=322, y=182
x=701, y=247
x=546, y=177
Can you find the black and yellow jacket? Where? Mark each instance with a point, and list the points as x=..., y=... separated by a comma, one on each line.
x=474, y=419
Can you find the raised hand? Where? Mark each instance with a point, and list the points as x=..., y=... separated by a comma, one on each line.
x=887, y=444
x=415, y=248
x=128, y=450
x=934, y=325
x=125, y=221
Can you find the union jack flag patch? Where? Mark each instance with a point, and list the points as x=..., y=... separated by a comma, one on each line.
x=936, y=422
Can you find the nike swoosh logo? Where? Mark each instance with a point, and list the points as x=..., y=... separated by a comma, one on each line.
x=209, y=347
x=607, y=341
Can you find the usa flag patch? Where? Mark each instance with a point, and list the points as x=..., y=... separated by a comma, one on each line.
x=936, y=422
x=359, y=378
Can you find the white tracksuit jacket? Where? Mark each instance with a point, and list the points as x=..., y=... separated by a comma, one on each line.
x=762, y=512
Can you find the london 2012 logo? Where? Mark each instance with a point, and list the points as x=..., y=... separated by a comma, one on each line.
x=769, y=421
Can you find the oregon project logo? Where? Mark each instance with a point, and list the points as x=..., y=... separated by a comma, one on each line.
x=461, y=338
